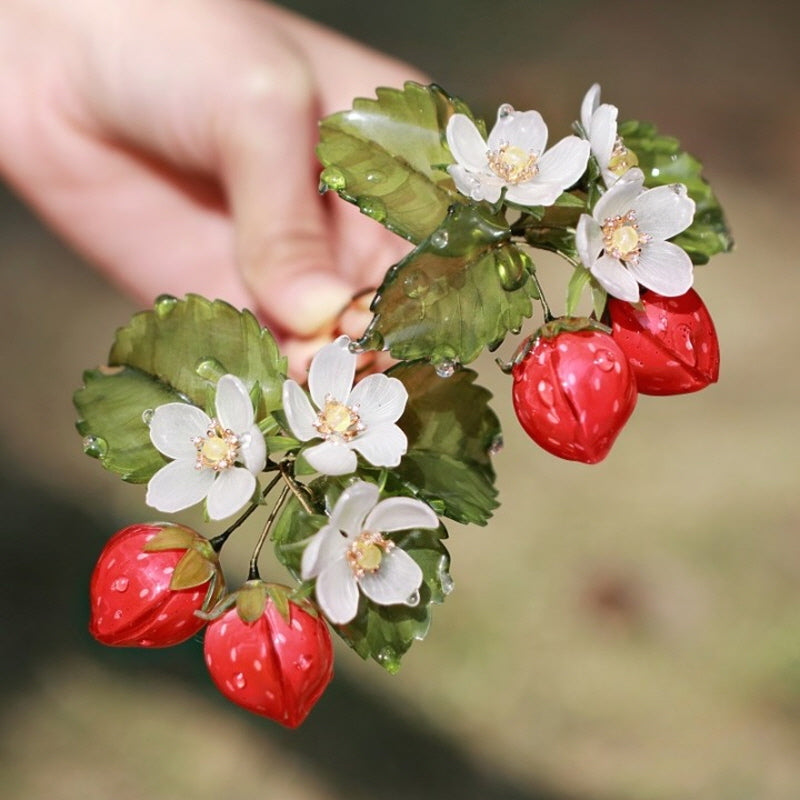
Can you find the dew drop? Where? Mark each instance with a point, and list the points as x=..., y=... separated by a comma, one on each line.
x=332, y=178
x=95, y=446
x=446, y=582
x=512, y=268
x=120, y=585
x=416, y=284
x=505, y=110
x=446, y=368
x=496, y=445
x=387, y=658
x=412, y=600
x=604, y=360
x=147, y=416
x=356, y=347
x=303, y=663
x=372, y=207
x=546, y=393
x=440, y=239
x=239, y=680
x=209, y=368
x=164, y=305
x=375, y=176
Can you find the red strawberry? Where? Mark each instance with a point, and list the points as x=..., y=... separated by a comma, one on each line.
x=670, y=342
x=147, y=584
x=573, y=391
x=276, y=665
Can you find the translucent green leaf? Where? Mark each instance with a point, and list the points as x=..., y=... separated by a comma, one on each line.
x=663, y=162
x=452, y=433
x=110, y=410
x=577, y=283
x=185, y=343
x=464, y=288
x=387, y=156
x=384, y=633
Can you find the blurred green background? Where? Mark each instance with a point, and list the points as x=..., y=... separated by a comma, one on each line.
x=628, y=631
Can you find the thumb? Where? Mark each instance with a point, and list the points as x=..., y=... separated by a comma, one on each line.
x=284, y=239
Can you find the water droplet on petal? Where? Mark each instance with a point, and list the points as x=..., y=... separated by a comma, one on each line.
x=239, y=680
x=332, y=178
x=372, y=207
x=147, y=416
x=412, y=600
x=164, y=305
x=120, y=585
x=505, y=110
x=440, y=239
x=95, y=446
x=416, y=284
x=605, y=360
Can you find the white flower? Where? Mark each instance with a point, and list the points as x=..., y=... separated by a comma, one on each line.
x=599, y=123
x=623, y=243
x=513, y=158
x=206, y=451
x=352, y=552
x=346, y=418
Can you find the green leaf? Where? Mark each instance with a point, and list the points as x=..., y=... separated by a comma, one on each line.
x=663, y=162
x=110, y=407
x=577, y=283
x=388, y=155
x=464, y=288
x=384, y=633
x=184, y=343
x=452, y=433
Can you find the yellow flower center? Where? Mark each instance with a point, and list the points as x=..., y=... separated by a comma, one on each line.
x=621, y=159
x=512, y=164
x=339, y=421
x=365, y=554
x=217, y=450
x=622, y=238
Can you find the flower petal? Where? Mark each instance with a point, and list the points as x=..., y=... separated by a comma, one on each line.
x=231, y=491
x=234, y=408
x=591, y=100
x=331, y=458
x=615, y=278
x=617, y=201
x=382, y=445
x=665, y=268
x=174, y=425
x=604, y=133
x=253, y=449
x=178, y=485
x=400, y=514
x=332, y=371
x=588, y=240
x=299, y=412
x=397, y=578
x=352, y=507
x=466, y=143
x=476, y=185
x=564, y=162
x=325, y=546
x=524, y=129
x=665, y=211
x=379, y=399
x=534, y=193
x=337, y=592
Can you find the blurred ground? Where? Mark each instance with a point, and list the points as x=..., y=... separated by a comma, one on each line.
x=629, y=631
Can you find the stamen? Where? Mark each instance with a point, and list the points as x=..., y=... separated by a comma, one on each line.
x=218, y=449
x=338, y=421
x=512, y=164
x=365, y=554
x=622, y=238
x=621, y=159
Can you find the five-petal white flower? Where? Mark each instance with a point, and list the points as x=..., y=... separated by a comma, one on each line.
x=346, y=418
x=351, y=552
x=206, y=452
x=599, y=123
x=623, y=243
x=513, y=158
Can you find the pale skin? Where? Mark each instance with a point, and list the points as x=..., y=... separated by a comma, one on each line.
x=171, y=142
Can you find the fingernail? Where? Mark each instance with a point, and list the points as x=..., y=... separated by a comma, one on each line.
x=314, y=303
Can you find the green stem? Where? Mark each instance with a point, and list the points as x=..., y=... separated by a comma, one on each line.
x=253, y=574
x=295, y=488
x=548, y=317
x=218, y=541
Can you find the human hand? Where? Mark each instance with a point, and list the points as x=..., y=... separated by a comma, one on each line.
x=173, y=145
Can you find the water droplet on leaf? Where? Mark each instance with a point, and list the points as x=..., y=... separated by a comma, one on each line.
x=496, y=445
x=416, y=284
x=375, y=176
x=210, y=369
x=412, y=600
x=372, y=207
x=446, y=582
x=95, y=446
x=512, y=268
x=147, y=416
x=440, y=239
x=446, y=368
x=332, y=178
x=164, y=305
x=388, y=659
